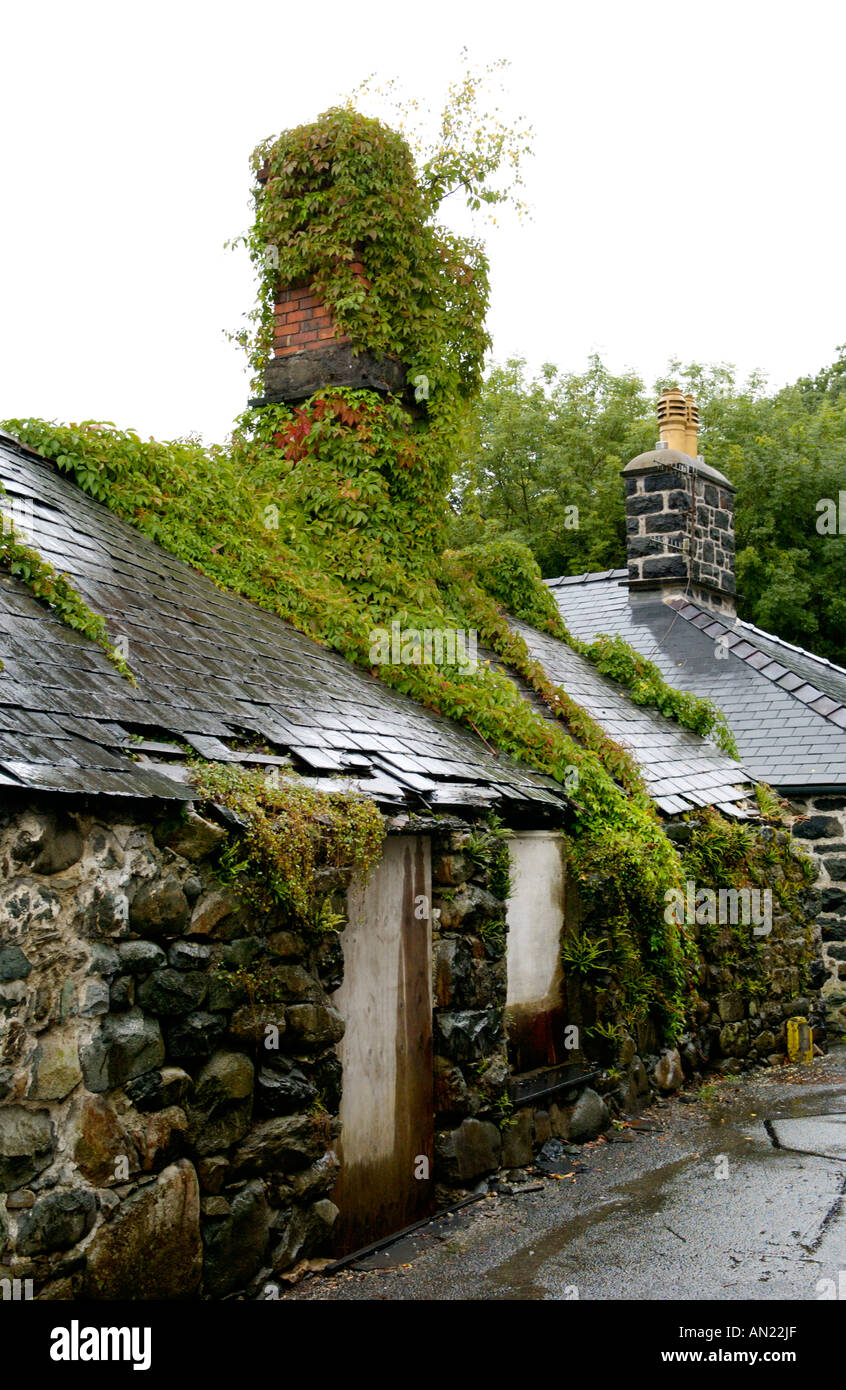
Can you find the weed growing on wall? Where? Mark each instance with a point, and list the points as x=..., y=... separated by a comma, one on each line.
x=487, y=847
x=732, y=854
x=293, y=833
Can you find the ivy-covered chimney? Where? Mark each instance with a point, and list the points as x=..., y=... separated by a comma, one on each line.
x=309, y=352
x=680, y=514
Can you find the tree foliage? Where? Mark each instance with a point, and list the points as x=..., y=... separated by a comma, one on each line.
x=544, y=461
x=541, y=445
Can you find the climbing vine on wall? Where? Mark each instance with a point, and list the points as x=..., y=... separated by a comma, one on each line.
x=293, y=834
x=624, y=901
x=344, y=190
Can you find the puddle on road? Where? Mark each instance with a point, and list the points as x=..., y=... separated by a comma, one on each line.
x=738, y=1126
x=516, y=1276
x=740, y=1104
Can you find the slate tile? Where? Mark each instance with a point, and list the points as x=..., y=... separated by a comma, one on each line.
x=320, y=759
x=807, y=694
x=825, y=705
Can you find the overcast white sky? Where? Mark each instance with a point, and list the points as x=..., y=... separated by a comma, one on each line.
x=687, y=186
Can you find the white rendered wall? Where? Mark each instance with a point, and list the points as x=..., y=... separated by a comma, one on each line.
x=535, y=919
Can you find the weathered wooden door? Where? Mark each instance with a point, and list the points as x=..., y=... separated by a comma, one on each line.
x=387, y=1139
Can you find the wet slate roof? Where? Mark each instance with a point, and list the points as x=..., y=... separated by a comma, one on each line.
x=786, y=707
x=212, y=670
x=680, y=769
x=220, y=675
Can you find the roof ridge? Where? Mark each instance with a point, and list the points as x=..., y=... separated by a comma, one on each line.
x=834, y=711
x=588, y=577
x=802, y=651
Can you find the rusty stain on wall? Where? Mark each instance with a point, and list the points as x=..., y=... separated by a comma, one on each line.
x=536, y=1012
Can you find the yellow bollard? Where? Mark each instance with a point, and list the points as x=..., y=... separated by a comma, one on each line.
x=800, y=1043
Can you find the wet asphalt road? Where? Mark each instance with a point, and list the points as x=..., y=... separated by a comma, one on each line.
x=740, y=1194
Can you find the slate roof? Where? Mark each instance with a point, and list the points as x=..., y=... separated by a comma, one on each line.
x=220, y=675
x=212, y=669
x=785, y=706
x=681, y=770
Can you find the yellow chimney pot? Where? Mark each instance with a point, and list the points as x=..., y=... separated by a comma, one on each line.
x=672, y=419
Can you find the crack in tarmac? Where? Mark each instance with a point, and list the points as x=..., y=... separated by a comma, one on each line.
x=832, y=1213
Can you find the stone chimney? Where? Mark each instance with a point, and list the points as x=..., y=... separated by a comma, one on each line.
x=680, y=514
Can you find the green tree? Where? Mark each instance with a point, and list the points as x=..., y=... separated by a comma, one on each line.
x=785, y=452
x=543, y=463
x=540, y=446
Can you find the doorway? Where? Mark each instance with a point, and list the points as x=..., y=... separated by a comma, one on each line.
x=386, y=1145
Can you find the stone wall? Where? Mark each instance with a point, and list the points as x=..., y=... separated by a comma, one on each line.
x=481, y=1128
x=169, y=1079
x=746, y=987
x=749, y=986
x=167, y=1108
x=469, y=938
x=820, y=827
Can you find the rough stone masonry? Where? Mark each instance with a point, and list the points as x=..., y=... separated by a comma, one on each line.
x=151, y=1144
x=168, y=1126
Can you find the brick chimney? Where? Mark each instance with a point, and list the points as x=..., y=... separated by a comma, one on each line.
x=301, y=322
x=680, y=514
x=309, y=353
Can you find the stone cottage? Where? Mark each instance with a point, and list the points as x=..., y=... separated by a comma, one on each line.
x=676, y=604
x=197, y=1093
